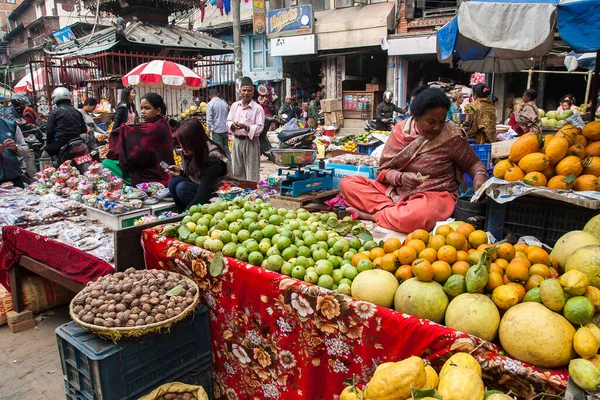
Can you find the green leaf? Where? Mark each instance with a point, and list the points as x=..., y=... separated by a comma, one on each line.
x=175, y=291
x=349, y=382
x=365, y=236
x=418, y=394
x=169, y=230
x=527, y=182
x=216, y=266
x=570, y=179
x=184, y=232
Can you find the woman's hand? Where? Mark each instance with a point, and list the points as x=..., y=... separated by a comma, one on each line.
x=173, y=170
x=410, y=180
x=478, y=181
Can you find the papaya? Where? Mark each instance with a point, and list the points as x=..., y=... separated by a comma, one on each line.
x=535, y=179
x=547, y=139
x=534, y=162
x=396, y=381
x=557, y=149
x=570, y=165
x=501, y=167
x=592, y=166
x=568, y=132
x=526, y=144
x=585, y=374
x=514, y=174
x=461, y=383
x=593, y=149
x=577, y=151
x=581, y=140
x=552, y=294
x=591, y=130
x=587, y=182
x=464, y=360
x=549, y=172
x=585, y=343
x=561, y=182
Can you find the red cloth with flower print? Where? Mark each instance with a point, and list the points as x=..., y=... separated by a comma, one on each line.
x=72, y=262
x=275, y=337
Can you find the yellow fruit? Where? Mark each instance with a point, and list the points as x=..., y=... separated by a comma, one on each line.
x=560, y=182
x=593, y=226
x=574, y=282
x=587, y=182
x=594, y=329
x=384, y=366
x=533, y=334
x=592, y=130
x=442, y=271
x=477, y=238
x=568, y=132
x=432, y=378
x=585, y=374
x=592, y=166
x=549, y=172
x=585, y=343
x=426, y=300
x=581, y=140
x=391, y=245
x=444, y=230
x=437, y=242
x=461, y=384
x=567, y=244
x=593, y=295
x=595, y=359
x=475, y=314
x=499, y=396
x=422, y=235
x=526, y=144
x=501, y=168
x=593, y=149
x=577, y=151
x=351, y=393
x=557, y=149
x=389, y=262
x=406, y=255
x=376, y=286
x=396, y=381
x=547, y=140
x=570, y=165
x=534, y=162
x=514, y=174
x=535, y=179
x=375, y=253
x=505, y=297
x=552, y=294
x=463, y=360
x=456, y=240
x=587, y=260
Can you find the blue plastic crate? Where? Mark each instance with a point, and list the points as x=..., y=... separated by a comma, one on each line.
x=100, y=369
x=484, y=153
x=342, y=170
x=103, y=126
x=366, y=149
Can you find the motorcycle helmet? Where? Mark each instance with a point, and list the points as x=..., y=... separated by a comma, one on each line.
x=59, y=94
x=20, y=100
x=388, y=96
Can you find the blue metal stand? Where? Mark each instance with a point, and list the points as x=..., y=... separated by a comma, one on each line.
x=298, y=181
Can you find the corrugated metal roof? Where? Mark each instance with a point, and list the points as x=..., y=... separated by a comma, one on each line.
x=100, y=40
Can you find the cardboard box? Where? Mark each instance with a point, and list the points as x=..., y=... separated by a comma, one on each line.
x=335, y=118
x=373, y=88
x=330, y=105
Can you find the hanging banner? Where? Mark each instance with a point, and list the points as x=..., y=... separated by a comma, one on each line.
x=259, y=17
x=291, y=21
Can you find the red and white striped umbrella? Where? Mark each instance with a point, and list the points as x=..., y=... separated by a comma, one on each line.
x=60, y=76
x=159, y=72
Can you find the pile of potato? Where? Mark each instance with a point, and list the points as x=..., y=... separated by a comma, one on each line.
x=177, y=396
x=133, y=298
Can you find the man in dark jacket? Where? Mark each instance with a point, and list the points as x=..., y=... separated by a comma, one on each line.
x=385, y=112
x=12, y=147
x=65, y=123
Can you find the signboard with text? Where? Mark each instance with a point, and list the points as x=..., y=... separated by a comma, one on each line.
x=293, y=45
x=259, y=12
x=292, y=21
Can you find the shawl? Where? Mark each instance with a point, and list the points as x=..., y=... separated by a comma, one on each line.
x=528, y=118
x=403, y=146
x=483, y=126
x=140, y=149
x=214, y=151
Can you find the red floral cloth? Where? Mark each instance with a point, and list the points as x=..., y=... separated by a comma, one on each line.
x=275, y=337
x=74, y=263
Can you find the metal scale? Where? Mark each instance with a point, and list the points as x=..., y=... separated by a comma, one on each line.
x=298, y=178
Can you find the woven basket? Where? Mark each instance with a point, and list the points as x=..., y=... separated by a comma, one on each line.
x=117, y=333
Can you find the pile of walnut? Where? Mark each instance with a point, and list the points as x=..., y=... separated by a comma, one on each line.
x=177, y=396
x=133, y=298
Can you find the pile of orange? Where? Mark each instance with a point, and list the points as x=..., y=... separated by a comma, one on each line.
x=452, y=252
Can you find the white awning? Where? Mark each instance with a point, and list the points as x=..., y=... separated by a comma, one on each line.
x=415, y=45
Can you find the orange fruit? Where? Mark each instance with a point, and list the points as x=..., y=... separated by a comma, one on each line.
x=462, y=255
x=494, y=267
x=528, y=248
x=520, y=247
x=477, y=238
x=357, y=257
x=553, y=272
x=466, y=246
x=471, y=251
x=391, y=245
x=375, y=253
x=456, y=240
x=506, y=251
x=423, y=270
x=422, y=235
x=408, y=238
x=429, y=254
x=448, y=254
x=533, y=281
x=406, y=254
x=517, y=271
x=501, y=262
x=390, y=263
x=416, y=244
x=442, y=271
x=484, y=247
x=505, y=279
x=537, y=256
x=494, y=280
x=540, y=270
x=377, y=263
x=553, y=262
x=520, y=289
x=436, y=242
x=465, y=229
x=460, y=267
x=444, y=230
x=404, y=273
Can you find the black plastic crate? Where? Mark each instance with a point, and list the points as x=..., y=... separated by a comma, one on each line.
x=546, y=219
x=100, y=369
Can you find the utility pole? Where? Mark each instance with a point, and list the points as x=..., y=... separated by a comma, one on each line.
x=237, y=45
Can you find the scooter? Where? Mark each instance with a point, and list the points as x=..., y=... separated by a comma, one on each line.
x=76, y=152
x=371, y=124
x=297, y=139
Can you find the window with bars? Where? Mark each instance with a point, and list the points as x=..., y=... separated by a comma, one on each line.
x=260, y=54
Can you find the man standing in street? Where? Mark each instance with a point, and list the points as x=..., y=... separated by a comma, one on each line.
x=313, y=111
x=245, y=121
x=216, y=120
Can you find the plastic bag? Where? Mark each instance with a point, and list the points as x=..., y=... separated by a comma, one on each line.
x=176, y=387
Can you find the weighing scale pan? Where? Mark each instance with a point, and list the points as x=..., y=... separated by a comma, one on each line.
x=293, y=157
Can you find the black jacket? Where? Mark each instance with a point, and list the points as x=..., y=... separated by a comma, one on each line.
x=64, y=123
x=386, y=111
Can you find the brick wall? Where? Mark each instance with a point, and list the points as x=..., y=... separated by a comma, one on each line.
x=418, y=24
x=5, y=10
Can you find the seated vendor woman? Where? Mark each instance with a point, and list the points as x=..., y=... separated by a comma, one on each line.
x=136, y=151
x=419, y=170
x=205, y=166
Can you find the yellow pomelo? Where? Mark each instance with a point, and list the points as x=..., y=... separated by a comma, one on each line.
x=593, y=226
x=475, y=314
x=568, y=243
x=460, y=384
x=425, y=300
x=463, y=360
x=587, y=260
x=376, y=286
x=533, y=334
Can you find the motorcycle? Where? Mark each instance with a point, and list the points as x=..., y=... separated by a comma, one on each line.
x=371, y=124
x=297, y=139
x=76, y=152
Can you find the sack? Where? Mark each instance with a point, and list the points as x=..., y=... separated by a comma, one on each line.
x=39, y=295
x=176, y=387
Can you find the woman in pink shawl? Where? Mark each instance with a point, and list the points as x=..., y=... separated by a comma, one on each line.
x=419, y=170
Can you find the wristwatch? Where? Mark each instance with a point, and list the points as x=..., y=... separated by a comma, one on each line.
x=482, y=173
